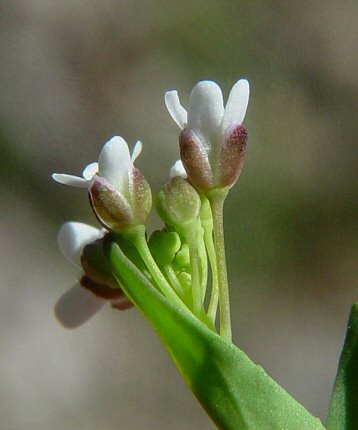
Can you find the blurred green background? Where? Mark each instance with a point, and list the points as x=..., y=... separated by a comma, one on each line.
x=75, y=73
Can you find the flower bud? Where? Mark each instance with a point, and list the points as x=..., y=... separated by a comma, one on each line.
x=164, y=245
x=178, y=203
x=182, y=258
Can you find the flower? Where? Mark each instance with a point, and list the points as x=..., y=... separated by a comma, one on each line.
x=119, y=193
x=114, y=164
x=212, y=140
x=87, y=297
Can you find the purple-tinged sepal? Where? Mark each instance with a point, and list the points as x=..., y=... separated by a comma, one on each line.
x=195, y=160
x=110, y=206
x=232, y=156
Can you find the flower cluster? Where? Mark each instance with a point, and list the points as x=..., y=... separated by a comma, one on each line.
x=179, y=259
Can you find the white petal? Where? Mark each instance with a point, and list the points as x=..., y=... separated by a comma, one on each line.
x=236, y=105
x=76, y=307
x=206, y=108
x=176, y=110
x=73, y=237
x=115, y=162
x=178, y=170
x=90, y=171
x=136, y=150
x=73, y=181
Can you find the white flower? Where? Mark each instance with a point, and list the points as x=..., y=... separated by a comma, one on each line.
x=206, y=127
x=82, y=301
x=120, y=195
x=114, y=164
x=206, y=115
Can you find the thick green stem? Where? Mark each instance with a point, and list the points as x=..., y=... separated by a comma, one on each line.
x=217, y=198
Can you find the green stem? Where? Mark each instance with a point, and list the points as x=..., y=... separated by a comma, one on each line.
x=203, y=260
x=191, y=239
x=206, y=218
x=217, y=198
x=173, y=279
x=137, y=237
x=214, y=297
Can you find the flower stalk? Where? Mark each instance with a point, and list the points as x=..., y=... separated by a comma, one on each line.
x=217, y=199
x=207, y=223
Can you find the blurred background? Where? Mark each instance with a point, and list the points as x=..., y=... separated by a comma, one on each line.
x=74, y=74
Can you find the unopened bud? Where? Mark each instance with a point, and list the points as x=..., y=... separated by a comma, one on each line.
x=182, y=258
x=178, y=203
x=163, y=246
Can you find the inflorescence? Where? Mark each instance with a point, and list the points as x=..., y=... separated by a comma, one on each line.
x=180, y=259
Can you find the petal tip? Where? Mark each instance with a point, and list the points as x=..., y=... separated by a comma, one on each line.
x=73, y=236
x=175, y=109
x=178, y=170
x=138, y=147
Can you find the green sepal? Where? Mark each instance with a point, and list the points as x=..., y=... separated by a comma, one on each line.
x=343, y=408
x=237, y=394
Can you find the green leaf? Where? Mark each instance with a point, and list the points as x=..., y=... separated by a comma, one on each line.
x=237, y=394
x=343, y=408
